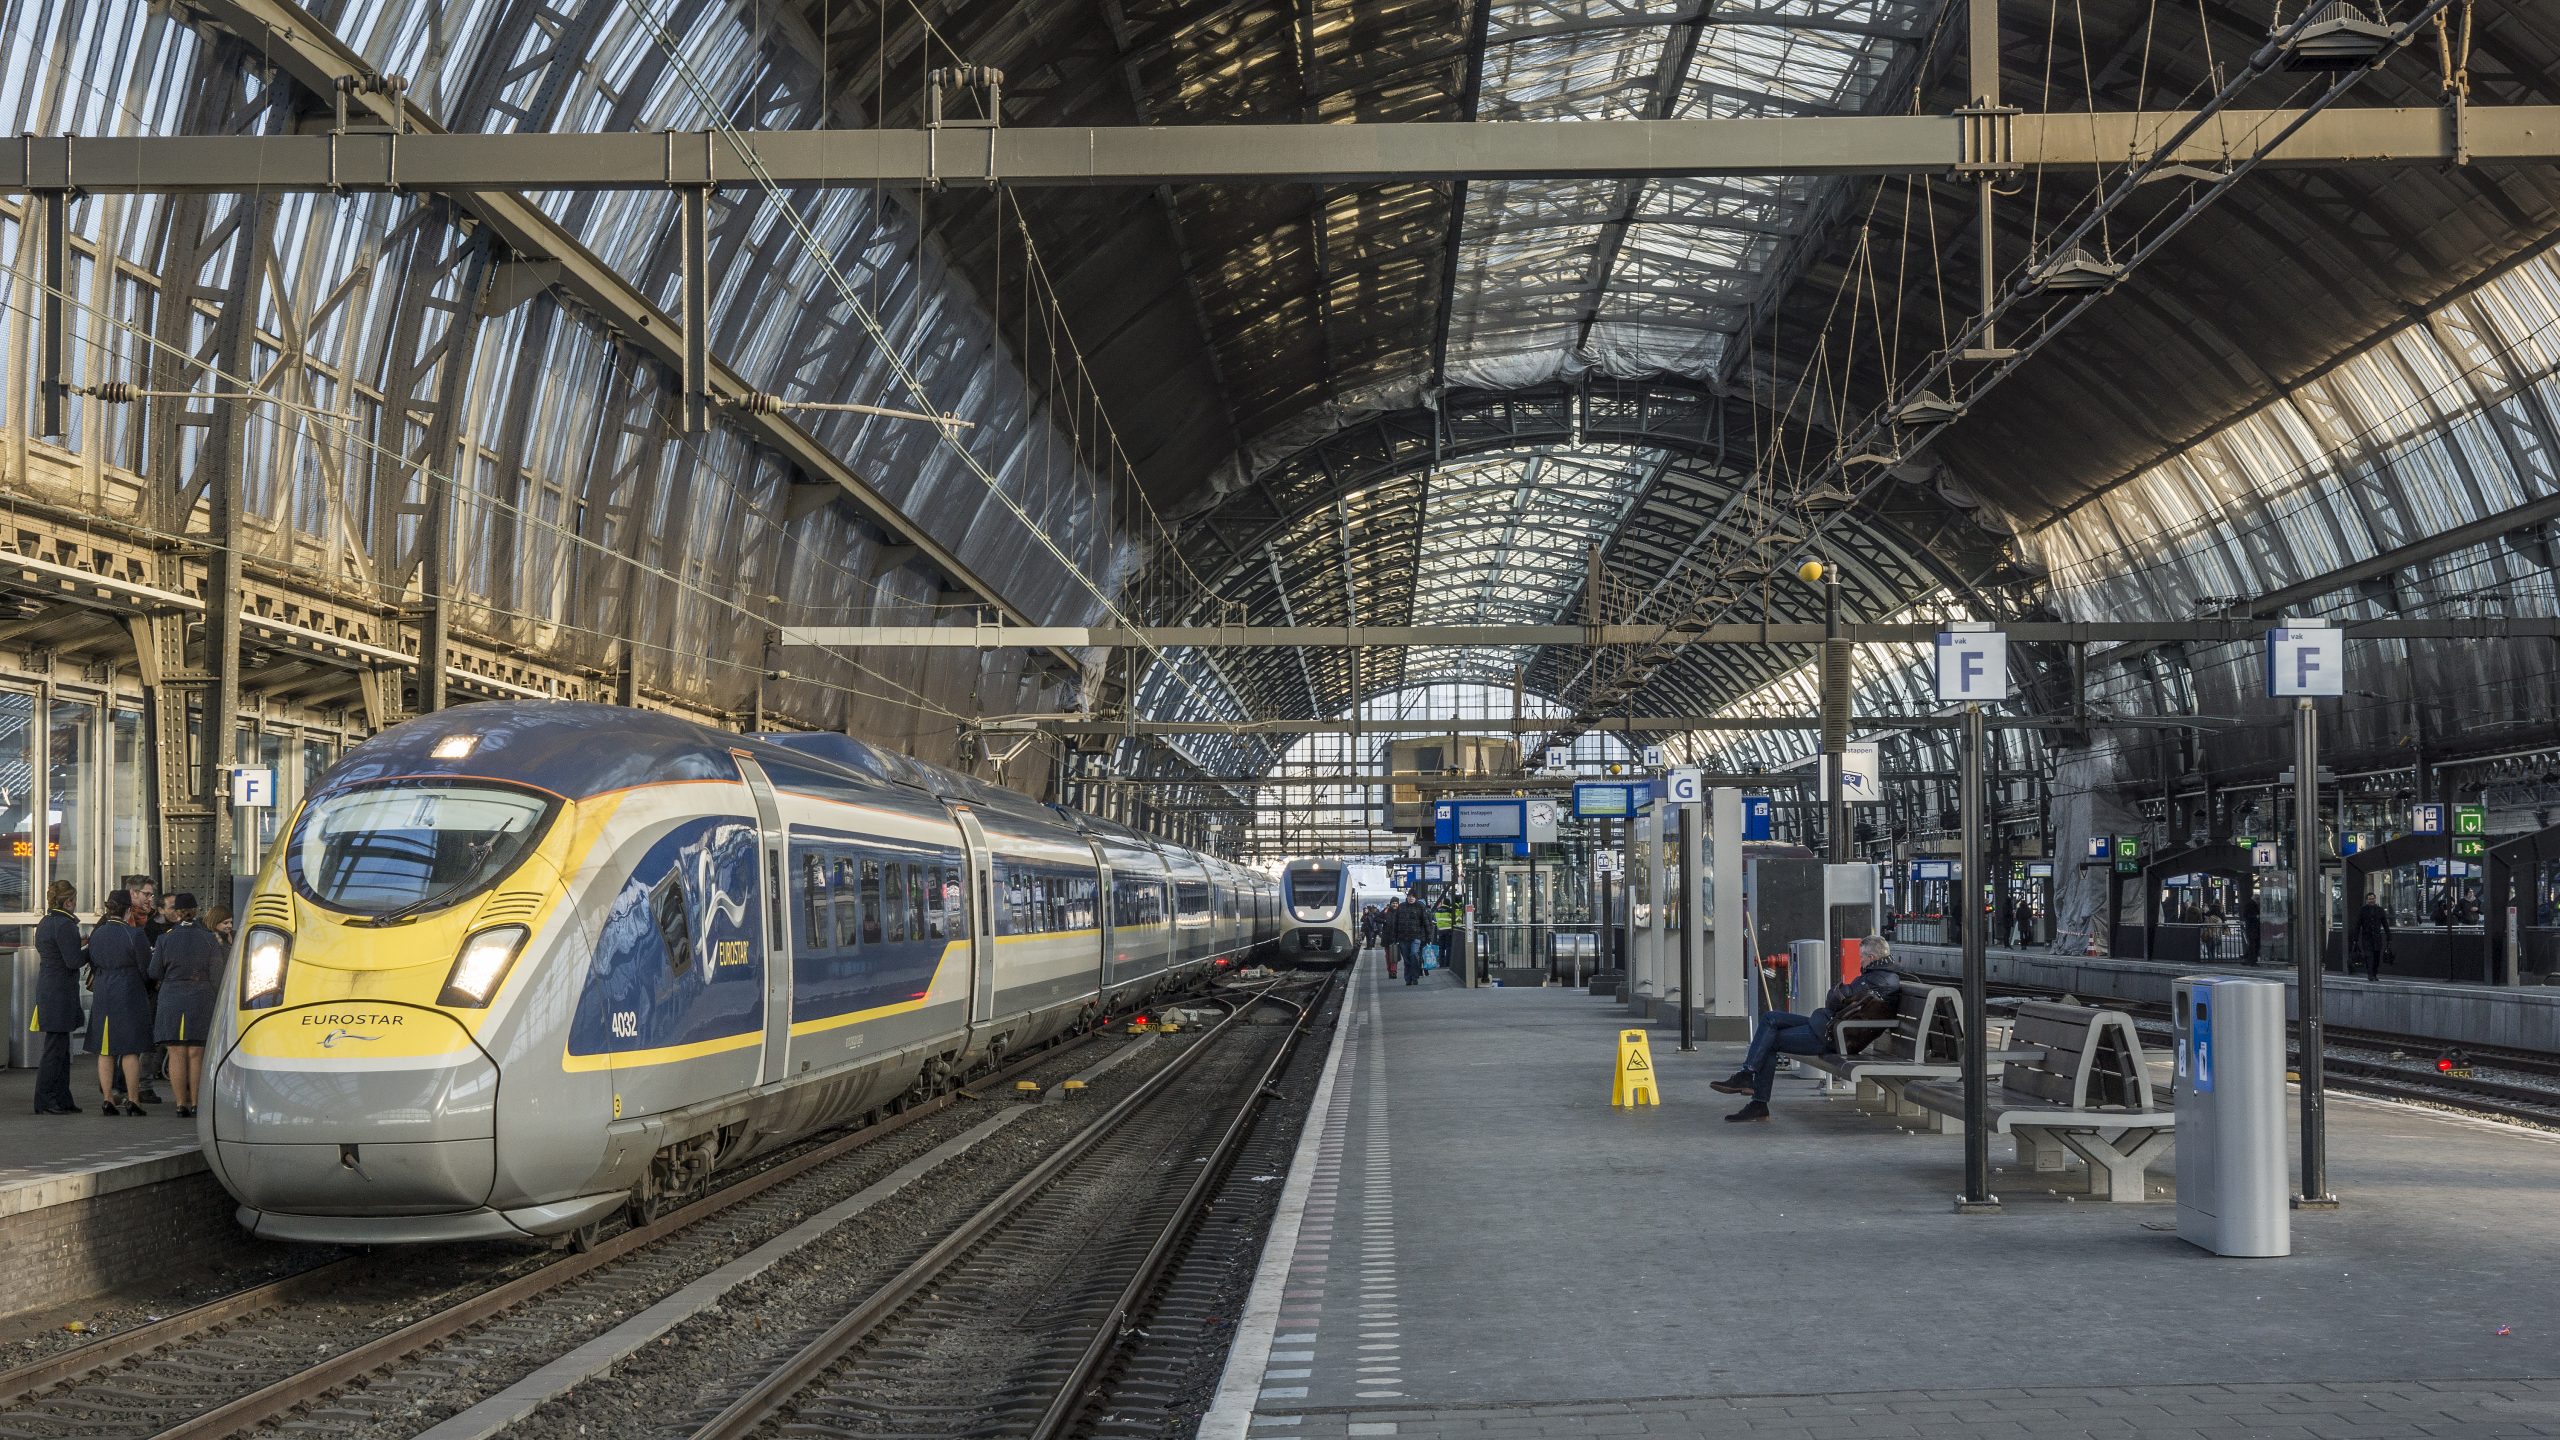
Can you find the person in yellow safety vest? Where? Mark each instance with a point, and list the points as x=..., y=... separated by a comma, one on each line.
x=1449, y=915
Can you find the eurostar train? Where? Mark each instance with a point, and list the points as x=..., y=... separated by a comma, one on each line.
x=515, y=967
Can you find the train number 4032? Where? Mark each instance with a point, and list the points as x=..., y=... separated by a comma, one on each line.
x=626, y=1024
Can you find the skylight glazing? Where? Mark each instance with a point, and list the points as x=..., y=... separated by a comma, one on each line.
x=1557, y=278
x=1506, y=540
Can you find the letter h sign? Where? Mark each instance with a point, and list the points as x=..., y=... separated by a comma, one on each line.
x=2306, y=660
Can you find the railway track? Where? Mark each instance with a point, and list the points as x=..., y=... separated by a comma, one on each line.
x=245, y=1359
x=1020, y=1319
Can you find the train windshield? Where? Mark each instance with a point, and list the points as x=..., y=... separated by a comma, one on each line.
x=413, y=845
x=1315, y=892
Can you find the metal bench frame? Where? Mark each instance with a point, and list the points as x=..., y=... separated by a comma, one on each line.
x=1880, y=1078
x=2118, y=1146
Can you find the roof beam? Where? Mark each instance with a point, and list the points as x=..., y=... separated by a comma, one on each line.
x=316, y=59
x=1202, y=639
x=479, y=168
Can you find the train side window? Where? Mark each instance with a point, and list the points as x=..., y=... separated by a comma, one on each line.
x=931, y=898
x=893, y=904
x=870, y=902
x=817, y=918
x=1017, y=894
x=675, y=927
x=955, y=902
x=848, y=904
x=916, y=889
x=1043, y=907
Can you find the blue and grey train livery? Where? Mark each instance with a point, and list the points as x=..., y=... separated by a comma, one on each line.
x=516, y=966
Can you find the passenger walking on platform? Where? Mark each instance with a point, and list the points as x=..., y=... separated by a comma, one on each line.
x=59, y=956
x=120, y=1030
x=2252, y=929
x=2373, y=932
x=187, y=962
x=1781, y=1032
x=218, y=920
x=1411, y=928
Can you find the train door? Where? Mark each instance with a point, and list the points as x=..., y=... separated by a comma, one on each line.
x=1104, y=926
x=777, y=934
x=982, y=903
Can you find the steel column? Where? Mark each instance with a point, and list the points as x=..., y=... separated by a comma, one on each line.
x=1693, y=818
x=2310, y=944
x=1977, y=1198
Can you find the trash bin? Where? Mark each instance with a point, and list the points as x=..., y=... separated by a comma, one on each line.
x=2232, y=1195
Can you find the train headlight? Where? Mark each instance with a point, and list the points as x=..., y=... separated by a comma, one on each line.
x=482, y=966
x=263, y=953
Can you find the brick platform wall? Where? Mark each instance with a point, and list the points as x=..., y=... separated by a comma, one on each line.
x=61, y=1254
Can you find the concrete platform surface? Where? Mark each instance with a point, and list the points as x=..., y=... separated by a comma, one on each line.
x=1482, y=1246
x=56, y=1159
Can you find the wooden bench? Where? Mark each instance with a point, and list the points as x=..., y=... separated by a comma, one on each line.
x=1924, y=1040
x=2075, y=1077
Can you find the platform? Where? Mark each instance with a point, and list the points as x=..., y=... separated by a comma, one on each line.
x=1473, y=1242
x=2519, y=1017
x=88, y=1203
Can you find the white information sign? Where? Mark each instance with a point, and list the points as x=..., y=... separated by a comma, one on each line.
x=1559, y=756
x=1973, y=663
x=2306, y=660
x=253, y=787
x=1685, y=786
x=1862, y=773
x=2262, y=855
x=1655, y=757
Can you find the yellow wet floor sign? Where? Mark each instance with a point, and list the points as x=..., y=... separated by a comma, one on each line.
x=1634, y=1085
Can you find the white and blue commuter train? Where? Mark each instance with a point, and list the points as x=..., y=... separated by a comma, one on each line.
x=515, y=967
x=1321, y=902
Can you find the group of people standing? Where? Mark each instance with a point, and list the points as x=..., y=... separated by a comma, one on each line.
x=148, y=969
x=1402, y=929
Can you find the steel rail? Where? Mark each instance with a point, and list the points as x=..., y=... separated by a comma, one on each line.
x=1112, y=1331
x=271, y=1401
x=782, y=1384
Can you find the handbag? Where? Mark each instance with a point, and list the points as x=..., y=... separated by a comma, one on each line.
x=1430, y=954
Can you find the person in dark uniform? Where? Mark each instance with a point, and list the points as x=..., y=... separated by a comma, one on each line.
x=2373, y=933
x=120, y=1029
x=59, y=956
x=187, y=962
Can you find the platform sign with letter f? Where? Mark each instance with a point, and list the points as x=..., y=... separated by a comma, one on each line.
x=2306, y=659
x=1973, y=663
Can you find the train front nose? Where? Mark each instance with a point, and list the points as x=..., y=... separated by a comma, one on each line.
x=356, y=1109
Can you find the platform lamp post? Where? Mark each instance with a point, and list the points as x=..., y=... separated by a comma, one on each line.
x=1972, y=670
x=1836, y=672
x=2307, y=660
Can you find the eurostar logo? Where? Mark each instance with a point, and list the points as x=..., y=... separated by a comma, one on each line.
x=331, y=1039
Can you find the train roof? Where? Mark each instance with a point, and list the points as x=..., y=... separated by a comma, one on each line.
x=576, y=749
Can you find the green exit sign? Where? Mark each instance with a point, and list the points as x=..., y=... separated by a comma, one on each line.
x=2470, y=820
x=2469, y=847
x=2245, y=842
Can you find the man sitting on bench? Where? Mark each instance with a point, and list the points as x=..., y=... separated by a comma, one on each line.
x=1782, y=1032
